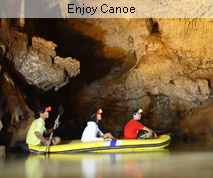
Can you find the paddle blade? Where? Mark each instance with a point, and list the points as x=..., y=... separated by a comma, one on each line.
x=61, y=110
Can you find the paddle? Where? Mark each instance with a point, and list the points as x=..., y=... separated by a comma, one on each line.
x=60, y=113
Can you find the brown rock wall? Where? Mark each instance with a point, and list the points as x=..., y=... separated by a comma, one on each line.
x=25, y=63
x=122, y=33
x=36, y=63
x=172, y=75
x=199, y=122
x=188, y=37
x=166, y=69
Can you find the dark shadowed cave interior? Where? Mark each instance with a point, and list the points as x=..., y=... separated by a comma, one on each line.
x=94, y=66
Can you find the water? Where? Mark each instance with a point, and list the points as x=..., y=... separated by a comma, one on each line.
x=178, y=160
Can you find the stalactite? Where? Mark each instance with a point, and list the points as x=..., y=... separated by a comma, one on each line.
x=14, y=99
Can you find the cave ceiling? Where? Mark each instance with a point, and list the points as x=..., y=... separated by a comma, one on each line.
x=162, y=65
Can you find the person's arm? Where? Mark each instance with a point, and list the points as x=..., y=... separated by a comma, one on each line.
x=100, y=133
x=48, y=131
x=52, y=129
x=104, y=136
x=40, y=136
x=108, y=136
x=150, y=131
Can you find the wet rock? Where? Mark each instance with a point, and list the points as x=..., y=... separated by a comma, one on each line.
x=206, y=74
x=36, y=65
x=198, y=123
x=2, y=151
x=16, y=113
x=28, y=62
x=172, y=74
x=70, y=65
x=169, y=73
x=1, y=125
x=15, y=102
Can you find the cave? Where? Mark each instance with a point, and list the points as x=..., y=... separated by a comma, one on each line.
x=114, y=64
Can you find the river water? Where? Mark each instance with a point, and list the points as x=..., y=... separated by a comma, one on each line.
x=184, y=160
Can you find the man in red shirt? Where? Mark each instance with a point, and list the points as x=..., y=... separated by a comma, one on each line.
x=133, y=127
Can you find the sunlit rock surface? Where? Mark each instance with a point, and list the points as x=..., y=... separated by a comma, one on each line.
x=172, y=75
x=162, y=65
x=36, y=62
x=199, y=122
x=116, y=34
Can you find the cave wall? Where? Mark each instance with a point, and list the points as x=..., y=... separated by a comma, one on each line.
x=199, y=122
x=161, y=65
x=29, y=69
x=172, y=75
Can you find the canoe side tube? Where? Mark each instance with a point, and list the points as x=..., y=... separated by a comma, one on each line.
x=160, y=143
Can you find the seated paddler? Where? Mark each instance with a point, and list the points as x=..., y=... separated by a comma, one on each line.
x=134, y=126
x=92, y=132
x=37, y=131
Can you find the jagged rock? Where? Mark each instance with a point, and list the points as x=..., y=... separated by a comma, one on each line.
x=36, y=64
x=158, y=72
x=203, y=75
x=189, y=38
x=1, y=125
x=198, y=123
x=118, y=35
x=174, y=61
x=14, y=99
x=20, y=115
x=2, y=151
x=170, y=77
x=71, y=66
x=2, y=50
x=38, y=67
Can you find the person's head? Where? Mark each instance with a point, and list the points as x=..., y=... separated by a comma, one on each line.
x=136, y=114
x=43, y=112
x=96, y=116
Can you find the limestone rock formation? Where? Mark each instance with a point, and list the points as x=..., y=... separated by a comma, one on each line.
x=160, y=72
x=116, y=34
x=36, y=62
x=2, y=151
x=31, y=63
x=199, y=123
x=172, y=75
x=16, y=104
x=1, y=125
x=17, y=107
x=162, y=65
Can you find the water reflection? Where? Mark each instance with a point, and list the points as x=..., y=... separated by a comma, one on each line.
x=34, y=167
x=91, y=165
x=189, y=161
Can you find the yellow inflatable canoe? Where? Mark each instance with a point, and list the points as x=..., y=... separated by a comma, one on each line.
x=105, y=146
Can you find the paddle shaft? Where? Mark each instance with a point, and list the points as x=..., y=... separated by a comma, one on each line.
x=51, y=135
